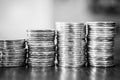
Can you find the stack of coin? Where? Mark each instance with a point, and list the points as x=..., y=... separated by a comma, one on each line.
x=101, y=43
x=41, y=48
x=12, y=53
x=71, y=43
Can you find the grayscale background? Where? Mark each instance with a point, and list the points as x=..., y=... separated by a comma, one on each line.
x=18, y=15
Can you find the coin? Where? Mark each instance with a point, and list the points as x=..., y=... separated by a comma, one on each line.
x=101, y=43
x=12, y=52
x=41, y=48
x=70, y=44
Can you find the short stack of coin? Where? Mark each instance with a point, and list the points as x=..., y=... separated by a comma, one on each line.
x=101, y=43
x=13, y=53
x=41, y=48
x=70, y=44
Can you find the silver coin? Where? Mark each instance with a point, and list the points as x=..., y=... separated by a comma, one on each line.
x=12, y=44
x=41, y=48
x=71, y=41
x=101, y=43
x=12, y=64
x=12, y=52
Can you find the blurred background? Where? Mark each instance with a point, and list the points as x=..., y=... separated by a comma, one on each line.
x=16, y=16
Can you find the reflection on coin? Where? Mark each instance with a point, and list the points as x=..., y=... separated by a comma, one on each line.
x=71, y=43
x=41, y=48
x=13, y=53
x=101, y=43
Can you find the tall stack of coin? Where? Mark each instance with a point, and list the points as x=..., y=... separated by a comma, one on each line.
x=101, y=43
x=12, y=53
x=71, y=43
x=41, y=48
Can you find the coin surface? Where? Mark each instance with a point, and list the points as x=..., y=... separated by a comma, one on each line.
x=70, y=44
x=41, y=48
x=100, y=39
x=13, y=53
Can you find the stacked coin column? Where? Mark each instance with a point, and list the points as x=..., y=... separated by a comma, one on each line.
x=41, y=48
x=101, y=43
x=13, y=53
x=71, y=43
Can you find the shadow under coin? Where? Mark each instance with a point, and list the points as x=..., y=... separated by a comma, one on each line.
x=47, y=73
x=73, y=73
x=12, y=73
x=102, y=73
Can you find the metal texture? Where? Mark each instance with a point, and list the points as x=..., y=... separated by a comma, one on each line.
x=13, y=53
x=101, y=43
x=41, y=48
x=71, y=44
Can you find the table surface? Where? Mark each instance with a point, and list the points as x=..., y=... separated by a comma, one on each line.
x=58, y=73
